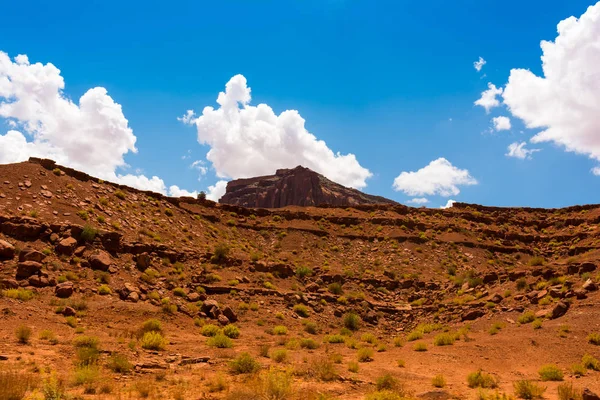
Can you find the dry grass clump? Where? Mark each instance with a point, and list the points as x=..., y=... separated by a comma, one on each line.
x=365, y=354
x=23, y=334
x=119, y=363
x=244, y=364
x=566, y=391
x=528, y=390
x=480, y=379
x=15, y=385
x=352, y=321
x=438, y=381
x=153, y=341
x=19, y=294
x=550, y=373
x=220, y=341
x=444, y=339
x=271, y=385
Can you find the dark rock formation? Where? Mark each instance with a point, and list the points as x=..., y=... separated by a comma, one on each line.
x=294, y=187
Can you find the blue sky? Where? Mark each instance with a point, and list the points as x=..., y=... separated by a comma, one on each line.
x=391, y=82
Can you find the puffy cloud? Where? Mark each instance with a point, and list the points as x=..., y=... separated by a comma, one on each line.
x=248, y=140
x=449, y=204
x=175, y=191
x=596, y=171
x=216, y=191
x=91, y=136
x=488, y=98
x=418, y=200
x=440, y=177
x=565, y=101
x=518, y=150
x=501, y=123
x=479, y=64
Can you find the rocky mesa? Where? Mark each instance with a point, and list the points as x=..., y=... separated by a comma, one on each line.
x=298, y=186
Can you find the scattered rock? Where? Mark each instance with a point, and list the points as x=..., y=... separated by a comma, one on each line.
x=195, y=360
x=69, y=311
x=7, y=250
x=66, y=246
x=223, y=320
x=100, y=261
x=230, y=314
x=26, y=269
x=31, y=255
x=559, y=310
x=497, y=298
x=472, y=315
x=9, y=283
x=590, y=286
x=589, y=395
x=142, y=261
x=64, y=290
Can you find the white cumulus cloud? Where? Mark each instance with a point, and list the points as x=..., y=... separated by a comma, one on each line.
x=501, y=123
x=565, y=101
x=92, y=135
x=175, y=191
x=439, y=177
x=518, y=150
x=596, y=171
x=449, y=204
x=488, y=98
x=216, y=191
x=418, y=200
x=479, y=64
x=247, y=140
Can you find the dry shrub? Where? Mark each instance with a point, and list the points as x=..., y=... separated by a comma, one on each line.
x=271, y=385
x=15, y=385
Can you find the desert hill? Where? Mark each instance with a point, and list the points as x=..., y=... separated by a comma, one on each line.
x=111, y=292
x=298, y=186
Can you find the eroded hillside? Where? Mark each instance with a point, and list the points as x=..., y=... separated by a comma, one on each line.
x=378, y=302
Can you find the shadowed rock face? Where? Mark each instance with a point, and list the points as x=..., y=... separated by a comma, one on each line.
x=294, y=187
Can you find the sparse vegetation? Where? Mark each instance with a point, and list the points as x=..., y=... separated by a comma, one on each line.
x=482, y=380
x=528, y=390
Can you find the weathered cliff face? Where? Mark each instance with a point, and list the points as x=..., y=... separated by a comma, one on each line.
x=298, y=187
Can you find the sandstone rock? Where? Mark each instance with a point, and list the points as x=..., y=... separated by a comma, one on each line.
x=31, y=255
x=9, y=284
x=211, y=309
x=472, y=315
x=39, y=281
x=586, y=267
x=64, y=290
x=580, y=294
x=69, y=312
x=46, y=193
x=142, y=261
x=195, y=360
x=559, y=310
x=590, y=286
x=230, y=314
x=542, y=313
x=298, y=186
x=7, y=250
x=589, y=395
x=223, y=320
x=133, y=297
x=193, y=297
x=26, y=269
x=497, y=298
x=100, y=261
x=66, y=246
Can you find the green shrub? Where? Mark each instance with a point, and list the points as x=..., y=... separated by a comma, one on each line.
x=220, y=341
x=151, y=325
x=368, y=338
x=536, y=261
x=104, y=290
x=303, y=271
x=526, y=317
x=179, y=292
x=550, y=373
x=19, y=294
x=153, y=341
x=210, y=330
x=594, y=338
x=537, y=324
x=578, y=370
x=280, y=330
x=119, y=363
x=414, y=335
x=310, y=344
x=335, y=339
x=231, y=331
x=590, y=362
x=482, y=380
x=86, y=375
x=365, y=354
x=444, y=339
x=352, y=321
x=566, y=391
x=310, y=327
x=89, y=232
x=168, y=212
x=220, y=254
x=244, y=364
x=336, y=288
x=23, y=334
x=438, y=381
x=279, y=355
x=301, y=310
x=420, y=346
x=71, y=321
x=386, y=382
x=353, y=367
x=528, y=390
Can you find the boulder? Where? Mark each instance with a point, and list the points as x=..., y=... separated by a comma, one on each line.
x=472, y=315
x=586, y=267
x=39, y=281
x=193, y=297
x=559, y=310
x=497, y=298
x=142, y=261
x=9, y=284
x=134, y=297
x=589, y=395
x=211, y=309
x=100, y=261
x=26, y=269
x=223, y=320
x=31, y=255
x=230, y=314
x=69, y=311
x=590, y=286
x=64, y=290
x=7, y=250
x=66, y=246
